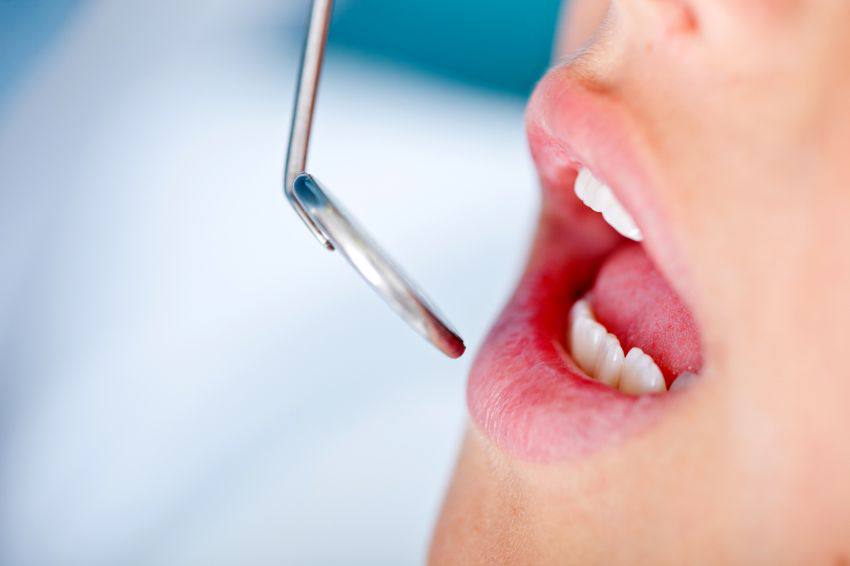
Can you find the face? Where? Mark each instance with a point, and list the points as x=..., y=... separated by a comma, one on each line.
x=715, y=133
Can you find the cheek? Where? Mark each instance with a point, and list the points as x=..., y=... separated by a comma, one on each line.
x=754, y=24
x=748, y=13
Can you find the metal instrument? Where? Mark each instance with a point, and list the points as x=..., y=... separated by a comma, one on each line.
x=337, y=230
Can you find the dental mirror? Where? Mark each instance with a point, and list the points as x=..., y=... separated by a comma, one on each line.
x=330, y=224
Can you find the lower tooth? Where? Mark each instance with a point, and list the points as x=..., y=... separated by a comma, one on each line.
x=599, y=354
x=640, y=374
x=587, y=337
x=684, y=381
x=609, y=363
x=580, y=309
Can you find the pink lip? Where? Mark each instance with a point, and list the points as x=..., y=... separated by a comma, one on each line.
x=524, y=391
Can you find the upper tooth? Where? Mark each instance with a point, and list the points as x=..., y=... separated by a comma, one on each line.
x=640, y=374
x=599, y=196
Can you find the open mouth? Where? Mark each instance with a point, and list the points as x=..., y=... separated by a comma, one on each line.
x=631, y=331
x=595, y=342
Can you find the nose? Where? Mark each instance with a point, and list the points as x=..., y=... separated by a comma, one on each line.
x=655, y=19
x=579, y=20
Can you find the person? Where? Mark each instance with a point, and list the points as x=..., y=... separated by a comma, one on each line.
x=716, y=135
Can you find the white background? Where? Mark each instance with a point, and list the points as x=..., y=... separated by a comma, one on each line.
x=187, y=377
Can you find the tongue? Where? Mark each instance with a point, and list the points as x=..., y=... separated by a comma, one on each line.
x=634, y=302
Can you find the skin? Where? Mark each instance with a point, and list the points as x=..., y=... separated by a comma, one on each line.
x=745, y=109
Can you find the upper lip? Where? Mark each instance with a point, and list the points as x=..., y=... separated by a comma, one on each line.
x=524, y=392
x=572, y=123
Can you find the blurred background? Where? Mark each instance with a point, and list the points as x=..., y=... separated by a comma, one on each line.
x=186, y=377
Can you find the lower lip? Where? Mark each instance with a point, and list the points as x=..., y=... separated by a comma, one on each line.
x=524, y=391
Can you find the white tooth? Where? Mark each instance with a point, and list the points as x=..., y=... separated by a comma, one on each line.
x=609, y=361
x=585, y=340
x=640, y=374
x=685, y=379
x=617, y=217
x=603, y=199
x=581, y=308
x=600, y=198
x=585, y=186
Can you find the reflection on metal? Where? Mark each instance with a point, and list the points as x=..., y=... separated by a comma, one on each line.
x=330, y=224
